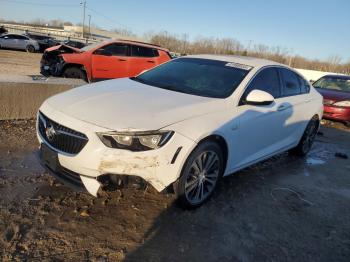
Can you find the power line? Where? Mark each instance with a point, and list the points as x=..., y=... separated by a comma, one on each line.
x=110, y=19
x=68, y=5
x=37, y=4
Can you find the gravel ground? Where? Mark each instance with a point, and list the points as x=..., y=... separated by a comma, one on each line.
x=19, y=62
x=284, y=209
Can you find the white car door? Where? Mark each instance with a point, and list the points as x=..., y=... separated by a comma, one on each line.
x=260, y=128
x=295, y=92
x=18, y=42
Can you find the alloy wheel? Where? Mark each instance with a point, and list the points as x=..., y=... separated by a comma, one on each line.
x=202, y=177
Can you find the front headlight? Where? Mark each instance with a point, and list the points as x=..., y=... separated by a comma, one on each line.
x=342, y=103
x=136, y=141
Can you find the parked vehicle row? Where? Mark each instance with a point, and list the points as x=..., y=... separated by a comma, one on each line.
x=181, y=125
x=34, y=42
x=113, y=59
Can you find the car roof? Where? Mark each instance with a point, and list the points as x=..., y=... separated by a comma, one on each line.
x=345, y=77
x=14, y=34
x=244, y=60
x=132, y=42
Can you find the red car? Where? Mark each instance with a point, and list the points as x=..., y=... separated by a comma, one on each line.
x=335, y=90
x=102, y=61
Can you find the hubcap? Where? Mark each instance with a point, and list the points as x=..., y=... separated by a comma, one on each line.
x=202, y=177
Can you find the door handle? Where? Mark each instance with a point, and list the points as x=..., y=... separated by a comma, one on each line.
x=282, y=107
x=122, y=60
x=150, y=61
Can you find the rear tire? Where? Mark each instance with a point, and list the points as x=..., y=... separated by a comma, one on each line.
x=74, y=72
x=308, y=138
x=30, y=49
x=200, y=175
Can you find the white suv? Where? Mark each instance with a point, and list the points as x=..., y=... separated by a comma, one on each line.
x=183, y=124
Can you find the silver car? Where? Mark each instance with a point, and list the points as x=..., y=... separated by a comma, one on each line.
x=19, y=42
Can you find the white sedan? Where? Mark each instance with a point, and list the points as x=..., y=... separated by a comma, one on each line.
x=182, y=125
x=21, y=42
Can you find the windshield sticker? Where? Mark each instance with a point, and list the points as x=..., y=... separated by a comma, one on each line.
x=240, y=66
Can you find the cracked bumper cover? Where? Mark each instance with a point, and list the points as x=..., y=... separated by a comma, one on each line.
x=51, y=69
x=95, y=159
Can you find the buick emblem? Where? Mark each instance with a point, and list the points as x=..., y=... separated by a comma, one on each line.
x=50, y=133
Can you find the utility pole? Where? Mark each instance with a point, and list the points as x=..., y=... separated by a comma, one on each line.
x=83, y=3
x=89, y=26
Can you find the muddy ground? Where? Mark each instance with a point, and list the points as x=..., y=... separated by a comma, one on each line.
x=19, y=62
x=285, y=209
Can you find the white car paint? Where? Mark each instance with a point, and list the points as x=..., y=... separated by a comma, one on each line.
x=252, y=133
x=16, y=41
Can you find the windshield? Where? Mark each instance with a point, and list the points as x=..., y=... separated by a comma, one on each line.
x=334, y=83
x=89, y=47
x=196, y=76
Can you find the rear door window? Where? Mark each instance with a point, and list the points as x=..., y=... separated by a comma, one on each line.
x=291, y=82
x=304, y=85
x=21, y=37
x=140, y=51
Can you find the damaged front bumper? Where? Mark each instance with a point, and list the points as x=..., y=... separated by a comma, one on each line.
x=52, y=69
x=52, y=62
x=159, y=168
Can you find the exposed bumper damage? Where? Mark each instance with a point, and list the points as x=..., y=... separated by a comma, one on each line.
x=52, y=62
x=99, y=166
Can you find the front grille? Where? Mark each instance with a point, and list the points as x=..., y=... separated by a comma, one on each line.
x=60, y=137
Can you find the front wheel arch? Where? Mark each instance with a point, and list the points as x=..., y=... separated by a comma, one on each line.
x=206, y=146
x=79, y=66
x=221, y=142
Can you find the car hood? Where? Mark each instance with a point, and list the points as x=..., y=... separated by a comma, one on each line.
x=63, y=49
x=124, y=104
x=334, y=95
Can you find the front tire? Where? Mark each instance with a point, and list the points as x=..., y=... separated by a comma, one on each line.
x=200, y=175
x=307, y=139
x=30, y=49
x=74, y=72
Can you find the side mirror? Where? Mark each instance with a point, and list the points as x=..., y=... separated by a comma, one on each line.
x=259, y=98
x=102, y=52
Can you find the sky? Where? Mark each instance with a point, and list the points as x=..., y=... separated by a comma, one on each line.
x=313, y=29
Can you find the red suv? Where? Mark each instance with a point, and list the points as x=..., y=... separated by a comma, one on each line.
x=102, y=61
